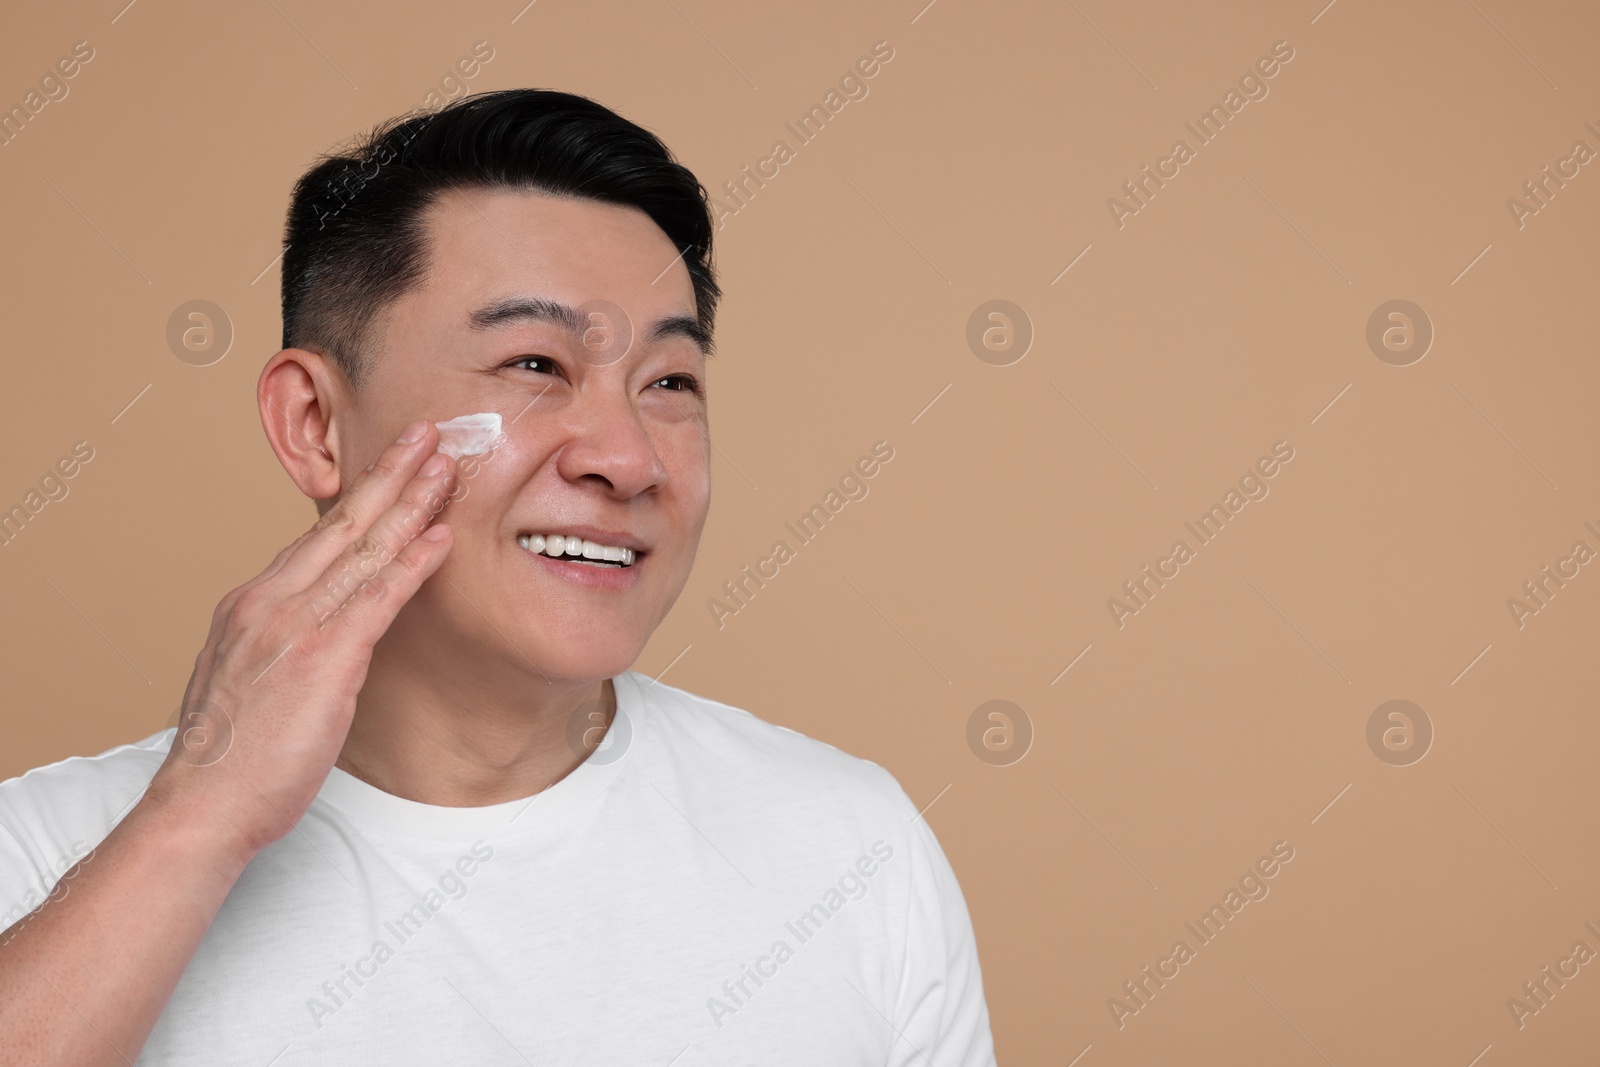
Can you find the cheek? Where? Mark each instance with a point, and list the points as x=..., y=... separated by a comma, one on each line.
x=483, y=481
x=689, y=466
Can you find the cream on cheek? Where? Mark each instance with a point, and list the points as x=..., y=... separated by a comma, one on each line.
x=470, y=435
x=476, y=442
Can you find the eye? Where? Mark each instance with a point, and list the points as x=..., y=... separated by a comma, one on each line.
x=550, y=365
x=685, y=383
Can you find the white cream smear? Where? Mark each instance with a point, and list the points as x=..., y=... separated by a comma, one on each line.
x=470, y=435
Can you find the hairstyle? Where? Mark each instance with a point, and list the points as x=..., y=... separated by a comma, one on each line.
x=354, y=239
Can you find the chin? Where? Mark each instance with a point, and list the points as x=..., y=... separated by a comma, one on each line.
x=578, y=636
x=582, y=661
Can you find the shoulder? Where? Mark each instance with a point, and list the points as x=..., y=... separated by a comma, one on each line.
x=749, y=753
x=812, y=819
x=72, y=804
x=114, y=771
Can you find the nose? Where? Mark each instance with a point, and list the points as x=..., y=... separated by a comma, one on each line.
x=609, y=444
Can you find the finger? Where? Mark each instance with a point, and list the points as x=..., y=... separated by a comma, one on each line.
x=367, y=498
x=364, y=559
x=292, y=547
x=284, y=556
x=365, y=617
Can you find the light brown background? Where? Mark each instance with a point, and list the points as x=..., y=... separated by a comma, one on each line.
x=1223, y=317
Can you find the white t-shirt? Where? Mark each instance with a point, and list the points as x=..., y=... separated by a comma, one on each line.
x=706, y=888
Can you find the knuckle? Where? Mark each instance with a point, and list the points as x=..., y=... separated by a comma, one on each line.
x=276, y=618
x=377, y=587
x=203, y=660
x=334, y=593
x=323, y=603
x=370, y=552
x=409, y=523
x=388, y=462
x=431, y=499
x=285, y=629
x=224, y=608
x=412, y=564
x=241, y=601
x=339, y=520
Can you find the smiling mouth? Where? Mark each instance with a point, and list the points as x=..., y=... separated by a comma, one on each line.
x=578, y=550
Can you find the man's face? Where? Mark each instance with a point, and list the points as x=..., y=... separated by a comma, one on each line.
x=604, y=438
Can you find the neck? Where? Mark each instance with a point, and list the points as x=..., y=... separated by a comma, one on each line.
x=430, y=730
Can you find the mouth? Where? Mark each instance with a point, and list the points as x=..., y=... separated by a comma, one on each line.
x=570, y=548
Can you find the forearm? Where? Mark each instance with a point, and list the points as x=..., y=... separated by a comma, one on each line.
x=84, y=977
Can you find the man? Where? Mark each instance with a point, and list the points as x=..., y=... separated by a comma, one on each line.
x=417, y=808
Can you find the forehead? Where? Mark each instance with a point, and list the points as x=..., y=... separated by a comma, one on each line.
x=486, y=245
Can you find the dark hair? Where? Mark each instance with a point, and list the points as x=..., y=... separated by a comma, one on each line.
x=354, y=240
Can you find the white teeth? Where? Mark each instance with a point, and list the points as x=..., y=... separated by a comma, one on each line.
x=577, y=549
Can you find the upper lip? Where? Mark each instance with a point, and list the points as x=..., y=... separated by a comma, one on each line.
x=614, y=538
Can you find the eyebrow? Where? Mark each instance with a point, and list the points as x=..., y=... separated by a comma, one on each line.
x=519, y=309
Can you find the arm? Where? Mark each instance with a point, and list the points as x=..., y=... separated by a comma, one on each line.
x=84, y=977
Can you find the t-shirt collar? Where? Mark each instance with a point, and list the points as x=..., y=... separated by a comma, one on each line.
x=371, y=807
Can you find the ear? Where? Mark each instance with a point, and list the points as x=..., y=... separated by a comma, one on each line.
x=298, y=394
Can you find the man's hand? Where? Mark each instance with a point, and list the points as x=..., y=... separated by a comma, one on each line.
x=274, y=689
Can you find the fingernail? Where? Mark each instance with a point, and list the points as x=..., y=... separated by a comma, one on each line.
x=436, y=463
x=413, y=433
